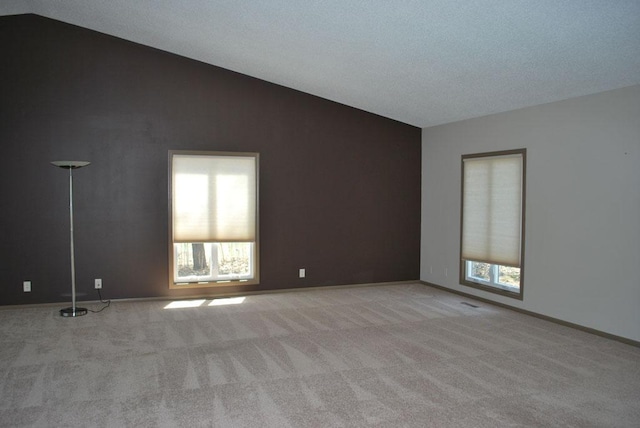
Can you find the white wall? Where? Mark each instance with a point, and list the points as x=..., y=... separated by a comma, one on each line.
x=582, y=252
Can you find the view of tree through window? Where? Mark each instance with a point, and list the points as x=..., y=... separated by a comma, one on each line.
x=213, y=261
x=496, y=275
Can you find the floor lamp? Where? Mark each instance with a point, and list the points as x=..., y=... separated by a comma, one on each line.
x=73, y=311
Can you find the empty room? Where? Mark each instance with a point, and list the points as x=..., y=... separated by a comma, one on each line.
x=320, y=214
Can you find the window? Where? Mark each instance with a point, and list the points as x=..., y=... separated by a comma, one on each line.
x=213, y=224
x=492, y=221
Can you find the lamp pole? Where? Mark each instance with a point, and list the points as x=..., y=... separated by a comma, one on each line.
x=73, y=311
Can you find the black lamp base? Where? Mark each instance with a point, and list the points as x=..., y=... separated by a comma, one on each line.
x=71, y=312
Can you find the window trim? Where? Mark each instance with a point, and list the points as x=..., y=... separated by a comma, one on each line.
x=463, y=262
x=256, y=243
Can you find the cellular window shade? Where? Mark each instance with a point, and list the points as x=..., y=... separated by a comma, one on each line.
x=214, y=198
x=492, y=209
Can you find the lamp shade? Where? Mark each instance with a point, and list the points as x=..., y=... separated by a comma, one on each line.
x=66, y=164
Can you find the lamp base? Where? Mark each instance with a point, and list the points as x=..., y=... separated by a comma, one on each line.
x=73, y=312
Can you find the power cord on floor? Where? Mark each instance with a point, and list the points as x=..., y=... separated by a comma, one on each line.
x=108, y=302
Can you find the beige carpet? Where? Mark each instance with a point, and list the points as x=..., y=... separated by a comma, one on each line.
x=388, y=356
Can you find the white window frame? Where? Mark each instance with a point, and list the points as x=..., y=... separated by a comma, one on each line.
x=493, y=285
x=213, y=278
x=494, y=277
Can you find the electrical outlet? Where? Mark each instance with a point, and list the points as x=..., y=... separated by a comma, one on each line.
x=98, y=283
x=302, y=273
x=26, y=286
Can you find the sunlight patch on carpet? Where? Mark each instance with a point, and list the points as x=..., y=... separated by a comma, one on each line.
x=181, y=304
x=227, y=301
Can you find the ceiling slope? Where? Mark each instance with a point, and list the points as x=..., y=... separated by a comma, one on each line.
x=422, y=62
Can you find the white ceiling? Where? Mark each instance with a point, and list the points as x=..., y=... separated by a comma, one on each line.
x=422, y=62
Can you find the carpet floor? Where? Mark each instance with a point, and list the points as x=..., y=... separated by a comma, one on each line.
x=398, y=355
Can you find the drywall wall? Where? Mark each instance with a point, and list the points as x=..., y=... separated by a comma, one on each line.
x=339, y=187
x=582, y=247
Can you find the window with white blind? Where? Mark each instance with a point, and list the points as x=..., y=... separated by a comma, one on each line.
x=492, y=221
x=213, y=221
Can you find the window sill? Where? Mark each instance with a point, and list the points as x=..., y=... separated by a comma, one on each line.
x=493, y=289
x=213, y=284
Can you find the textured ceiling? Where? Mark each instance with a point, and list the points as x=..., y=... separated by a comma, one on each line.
x=422, y=62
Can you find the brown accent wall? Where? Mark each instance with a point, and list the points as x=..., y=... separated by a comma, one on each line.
x=339, y=187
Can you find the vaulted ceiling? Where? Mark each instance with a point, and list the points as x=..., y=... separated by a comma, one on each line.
x=422, y=62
